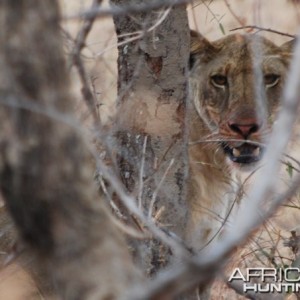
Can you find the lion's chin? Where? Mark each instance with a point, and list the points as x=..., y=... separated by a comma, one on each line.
x=244, y=155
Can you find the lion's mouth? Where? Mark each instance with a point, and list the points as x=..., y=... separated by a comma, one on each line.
x=245, y=153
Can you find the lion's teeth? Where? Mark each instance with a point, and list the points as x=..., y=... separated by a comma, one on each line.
x=256, y=152
x=236, y=152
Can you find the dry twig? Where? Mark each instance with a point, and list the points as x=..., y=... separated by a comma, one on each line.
x=239, y=19
x=263, y=29
x=118, y=11
x=76, y=58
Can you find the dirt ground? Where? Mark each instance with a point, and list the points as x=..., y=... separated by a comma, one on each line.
x=212, y=18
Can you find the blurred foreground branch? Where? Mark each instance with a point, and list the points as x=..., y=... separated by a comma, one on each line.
x=45, y=170
x=129, y=8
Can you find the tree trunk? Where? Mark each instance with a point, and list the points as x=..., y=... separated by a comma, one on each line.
x=45, y=173
x=152, y=89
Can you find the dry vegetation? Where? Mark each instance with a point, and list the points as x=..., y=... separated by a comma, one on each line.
x=271, y=246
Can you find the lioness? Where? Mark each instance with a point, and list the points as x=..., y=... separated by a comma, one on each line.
x=236, y=85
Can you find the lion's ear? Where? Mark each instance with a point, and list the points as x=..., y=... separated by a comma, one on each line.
x=200, y=48
x=287, y=48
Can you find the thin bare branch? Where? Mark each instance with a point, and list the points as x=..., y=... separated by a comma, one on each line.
x=263, y=29
x=76, y=59
x=118, y=11
x=239, y=19
x=130, y=204
x=155, y=193
x=141, y=175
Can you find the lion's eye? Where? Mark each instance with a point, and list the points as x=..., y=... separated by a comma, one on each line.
x=219, y=80
x=271, y=79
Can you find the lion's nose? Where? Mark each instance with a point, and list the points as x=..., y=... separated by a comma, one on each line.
x=245, y=129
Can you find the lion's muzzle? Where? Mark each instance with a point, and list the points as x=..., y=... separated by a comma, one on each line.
x=246, y=153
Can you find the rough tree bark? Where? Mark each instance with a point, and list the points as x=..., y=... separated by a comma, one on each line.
x=152, y=89
x=45, y=172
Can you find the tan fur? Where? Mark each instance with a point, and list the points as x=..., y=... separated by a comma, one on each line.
x=215, y=180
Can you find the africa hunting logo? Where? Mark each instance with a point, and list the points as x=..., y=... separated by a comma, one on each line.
x=268, y=280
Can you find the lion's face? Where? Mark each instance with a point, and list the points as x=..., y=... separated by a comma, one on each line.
x=237, y=84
